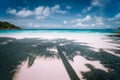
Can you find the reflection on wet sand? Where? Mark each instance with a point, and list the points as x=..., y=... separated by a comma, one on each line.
x=57, y=59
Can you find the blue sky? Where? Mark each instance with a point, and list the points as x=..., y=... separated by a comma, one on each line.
x=65, y=14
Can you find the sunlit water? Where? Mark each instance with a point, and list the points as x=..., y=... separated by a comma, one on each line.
x=37, y=54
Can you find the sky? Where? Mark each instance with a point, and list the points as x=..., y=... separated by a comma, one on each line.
x=61, y=14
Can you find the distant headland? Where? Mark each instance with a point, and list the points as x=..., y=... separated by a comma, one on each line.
x=118, y=28
x=8, y=26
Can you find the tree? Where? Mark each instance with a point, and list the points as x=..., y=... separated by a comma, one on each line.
x=8, y=26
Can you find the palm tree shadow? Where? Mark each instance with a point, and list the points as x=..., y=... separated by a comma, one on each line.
x=18, y=50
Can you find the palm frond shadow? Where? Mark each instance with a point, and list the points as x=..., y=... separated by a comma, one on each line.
x=96, y=74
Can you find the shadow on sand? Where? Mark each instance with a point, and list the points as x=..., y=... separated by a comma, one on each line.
x=14, y=51
x=96, y=74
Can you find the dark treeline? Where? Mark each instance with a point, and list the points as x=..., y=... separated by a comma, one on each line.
x=8, y=26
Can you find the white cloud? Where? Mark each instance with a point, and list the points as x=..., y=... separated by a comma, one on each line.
x=40, y=17
x=92, y=25
x=65, y=22
x=89, y=8
x=30, y=24
x=115, y=18
x=89, y=22
x=78, y=14
x=84, y=10
x=36, y=26
x=61, y=12
x=46, y=11
x=81, y=25
x=87, y=18
x=40, y=25
x=95, y=3
x=38, y=10
x=56, y=9
x=99, y=20
x=82, y=21
x=11, y=11
x=68, y=7
x=99, y=3
x=39, y=13
x=42, y=12
x=24, y=13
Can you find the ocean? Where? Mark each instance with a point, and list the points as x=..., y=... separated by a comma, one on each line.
x=60, y=31
x=65, y=54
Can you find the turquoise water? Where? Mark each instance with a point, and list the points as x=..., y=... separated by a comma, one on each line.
x=61, y=31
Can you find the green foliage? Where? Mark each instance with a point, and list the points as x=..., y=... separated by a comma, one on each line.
x=8, y=26
x=118, y=28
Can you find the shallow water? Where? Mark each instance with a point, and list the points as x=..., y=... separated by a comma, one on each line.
x=59, y=55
